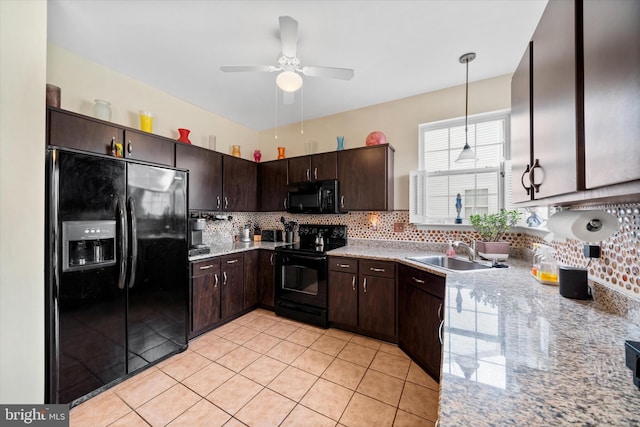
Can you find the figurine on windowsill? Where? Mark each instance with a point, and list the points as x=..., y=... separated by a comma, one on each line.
x=458, y=208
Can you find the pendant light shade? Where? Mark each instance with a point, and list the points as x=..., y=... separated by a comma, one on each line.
x=289, y=81
x=467, y=154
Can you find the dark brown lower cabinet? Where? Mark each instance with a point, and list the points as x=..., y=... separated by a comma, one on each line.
x=232, y=281
x=251, y=262
x=362, y=296
x=420, y=317
x=205, y=295
x=266, y=279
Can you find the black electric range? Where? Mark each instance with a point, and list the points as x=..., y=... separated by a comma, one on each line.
x=302, y=272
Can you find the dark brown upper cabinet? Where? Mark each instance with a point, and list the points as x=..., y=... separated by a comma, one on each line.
x=205, y=176
x=578, y=142
x=316, y=167
x=139, y=145
x=82, y=133
x=240, y=185
x=366, y=178
x=272, y=185
x=611, y=91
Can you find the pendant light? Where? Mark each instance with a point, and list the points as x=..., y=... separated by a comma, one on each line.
x=467, y=153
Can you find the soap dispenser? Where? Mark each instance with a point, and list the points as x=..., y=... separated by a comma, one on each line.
x=450, y=251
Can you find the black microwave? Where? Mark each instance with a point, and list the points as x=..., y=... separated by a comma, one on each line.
x=319, y=197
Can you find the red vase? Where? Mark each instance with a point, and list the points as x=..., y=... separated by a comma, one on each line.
x=184, y=136
x=257, y=155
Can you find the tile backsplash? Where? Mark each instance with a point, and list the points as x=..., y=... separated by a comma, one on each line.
x=618, y=267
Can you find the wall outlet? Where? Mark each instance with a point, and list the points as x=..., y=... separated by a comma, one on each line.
x=592, y=251
x=398, y=227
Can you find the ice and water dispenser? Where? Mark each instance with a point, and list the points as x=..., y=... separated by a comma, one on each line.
x=88, y=244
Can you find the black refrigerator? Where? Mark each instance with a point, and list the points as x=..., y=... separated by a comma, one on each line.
x=117, y=270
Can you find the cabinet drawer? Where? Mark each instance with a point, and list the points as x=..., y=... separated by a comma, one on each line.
x=345, y=265
x=208, y=266
x=435, y=285
x=377, y=268
x=233, y=260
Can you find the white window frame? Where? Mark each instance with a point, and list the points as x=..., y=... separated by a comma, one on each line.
x=418, y=180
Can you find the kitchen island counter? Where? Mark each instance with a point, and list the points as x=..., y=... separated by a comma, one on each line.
x=517, y=353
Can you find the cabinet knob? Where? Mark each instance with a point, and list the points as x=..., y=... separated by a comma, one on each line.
x=129, y=147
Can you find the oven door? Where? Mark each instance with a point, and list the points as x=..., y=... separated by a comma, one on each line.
x=301, y=279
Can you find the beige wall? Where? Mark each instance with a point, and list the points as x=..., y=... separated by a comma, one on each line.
x=82, y=81
x=399, y=121
x=23, y=41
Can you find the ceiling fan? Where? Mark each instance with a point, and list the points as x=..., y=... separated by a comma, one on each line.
x=289, y=66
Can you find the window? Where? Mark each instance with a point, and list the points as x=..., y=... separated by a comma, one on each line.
x=439, y=180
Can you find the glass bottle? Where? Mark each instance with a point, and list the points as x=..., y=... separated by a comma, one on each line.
x=235, y=151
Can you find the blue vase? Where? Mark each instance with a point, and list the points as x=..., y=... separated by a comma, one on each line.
x=340, y=142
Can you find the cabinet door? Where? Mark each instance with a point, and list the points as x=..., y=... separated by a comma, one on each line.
x=521, y=128
x=343, y=298
x=555, y=140
x=205, y=295
x=376, y=306
x=611, y=91
x=251, y=260
x=72, y=131
x=266, y=279
x=240, y=185
x=232, y=279
x=324, y=166
x=366, y=178
x=149, y=148
x=299, y=169
x=272, y=183
x=205, y=176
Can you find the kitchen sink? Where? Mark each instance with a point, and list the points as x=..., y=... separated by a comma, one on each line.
x=455, y=264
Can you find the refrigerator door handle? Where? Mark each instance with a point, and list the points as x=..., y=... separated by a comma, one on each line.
x=131, y=204
x=123, y=247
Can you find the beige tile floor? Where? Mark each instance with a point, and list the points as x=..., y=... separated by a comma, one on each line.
x=263, y=370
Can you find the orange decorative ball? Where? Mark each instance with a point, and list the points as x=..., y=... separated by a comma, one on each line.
x=376, y=137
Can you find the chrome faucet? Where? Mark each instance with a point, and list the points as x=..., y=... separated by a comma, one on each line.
x=471, y=250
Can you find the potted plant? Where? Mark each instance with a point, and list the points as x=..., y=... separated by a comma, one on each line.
x=491, y=228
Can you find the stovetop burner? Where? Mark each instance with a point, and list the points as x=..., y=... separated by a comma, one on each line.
x=317, y=239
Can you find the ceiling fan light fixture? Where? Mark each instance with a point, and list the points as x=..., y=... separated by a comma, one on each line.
x=289, y=81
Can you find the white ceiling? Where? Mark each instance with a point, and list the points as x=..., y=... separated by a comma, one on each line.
x=397, y=48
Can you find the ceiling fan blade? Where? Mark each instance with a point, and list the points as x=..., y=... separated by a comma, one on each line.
x=241, y=68
x=330, y=72
x=288, y=36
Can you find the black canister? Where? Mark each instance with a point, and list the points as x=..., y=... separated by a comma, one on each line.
x=573, y=283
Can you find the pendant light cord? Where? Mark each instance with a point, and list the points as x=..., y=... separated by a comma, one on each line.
x=466, y=108
x=276, y=126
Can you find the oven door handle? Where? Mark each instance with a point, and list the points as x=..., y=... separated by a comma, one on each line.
x=312, y=258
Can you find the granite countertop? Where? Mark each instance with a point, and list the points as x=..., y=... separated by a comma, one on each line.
x=515, y=351
x=230, y=248
x=518, y=353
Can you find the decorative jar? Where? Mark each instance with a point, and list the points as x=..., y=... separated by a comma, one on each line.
x=257, y=155
x=281, y=153
x=235, y=151
x=102, y=109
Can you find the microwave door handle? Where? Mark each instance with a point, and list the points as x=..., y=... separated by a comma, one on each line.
x=134, y=240
x=123, y=248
